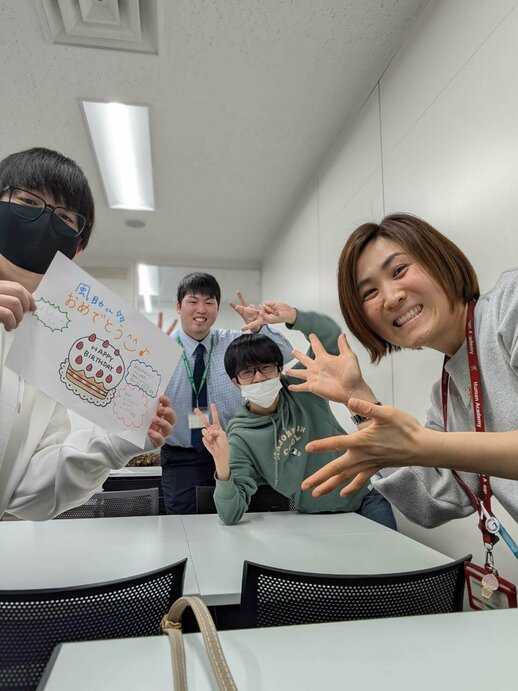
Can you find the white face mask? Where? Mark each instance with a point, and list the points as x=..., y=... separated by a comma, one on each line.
x=262, y=393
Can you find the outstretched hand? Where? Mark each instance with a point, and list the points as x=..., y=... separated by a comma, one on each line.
x=170, y=328
x=162, y=424
x=335, y=377
x=15, y=301
x=215, y=441
x=393, y=439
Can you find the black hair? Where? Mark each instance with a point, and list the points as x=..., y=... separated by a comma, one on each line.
x=51, y=172
x=250, y=350
x=201, y=283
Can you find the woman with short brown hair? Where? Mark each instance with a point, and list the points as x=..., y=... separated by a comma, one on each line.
x=402, y=284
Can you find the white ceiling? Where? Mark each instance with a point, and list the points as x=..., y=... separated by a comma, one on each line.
x=246, y=98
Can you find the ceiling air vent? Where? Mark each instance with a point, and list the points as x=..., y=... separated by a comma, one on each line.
x=117, y=24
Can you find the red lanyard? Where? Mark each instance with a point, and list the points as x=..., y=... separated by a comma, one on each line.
x=482, y=506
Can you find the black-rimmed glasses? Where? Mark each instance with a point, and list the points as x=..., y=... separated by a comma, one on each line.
x=249, y=373
x=30, y=206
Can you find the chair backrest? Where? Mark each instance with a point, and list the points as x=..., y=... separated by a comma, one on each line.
x=265, y=499
x=276, y=597
x=33, y=622
x=131, y=502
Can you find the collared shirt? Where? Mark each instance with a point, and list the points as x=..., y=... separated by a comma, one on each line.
x=220, y=389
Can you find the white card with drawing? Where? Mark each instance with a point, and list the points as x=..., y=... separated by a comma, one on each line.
x=87, y=349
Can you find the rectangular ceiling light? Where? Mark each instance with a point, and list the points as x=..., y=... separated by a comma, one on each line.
x=121, y=141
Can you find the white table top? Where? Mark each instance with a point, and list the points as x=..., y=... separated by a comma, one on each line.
x=330, y=543
x=466, y=650
x=70, y=552
x=74, y=552
x=138, y=471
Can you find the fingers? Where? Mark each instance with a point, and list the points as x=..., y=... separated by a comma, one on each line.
x=343, y=345
x=353, y=486
x=241, y=298
x=156, y=438
x=329, y=485
x=17, y=291
x=299, y=387
x=11, y=312
x=160, y=324
x=161, y=427
x=171, y=327
x=374, y=411
x=215, y=414
x=164, y=402
x=327, y=478
x=358, y=482
x=240, y=309
x=15, y=300
x=338, y=443
x=316, y=345
x=256, y=324
x=270, y=307
x=303, y=358
x=202, y=417
x=297, y=372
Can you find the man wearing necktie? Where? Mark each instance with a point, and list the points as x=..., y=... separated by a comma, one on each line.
x=199, y=393
x=199, y=379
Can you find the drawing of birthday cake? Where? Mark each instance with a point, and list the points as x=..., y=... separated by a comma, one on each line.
x=93, y=369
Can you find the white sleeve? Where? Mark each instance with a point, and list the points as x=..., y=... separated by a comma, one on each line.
x=66, y=469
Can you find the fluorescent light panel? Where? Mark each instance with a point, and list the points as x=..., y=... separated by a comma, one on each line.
x=148, y=279
x=120, y=136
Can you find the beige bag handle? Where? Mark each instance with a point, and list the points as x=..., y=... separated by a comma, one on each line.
x=171, y=624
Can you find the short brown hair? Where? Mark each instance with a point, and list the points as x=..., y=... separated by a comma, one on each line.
x=438, y=256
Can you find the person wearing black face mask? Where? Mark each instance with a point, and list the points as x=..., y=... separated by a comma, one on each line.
x=33, y=228
x=46, y=206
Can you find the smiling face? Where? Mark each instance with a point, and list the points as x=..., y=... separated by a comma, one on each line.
x=403, y=304
x=197, y=314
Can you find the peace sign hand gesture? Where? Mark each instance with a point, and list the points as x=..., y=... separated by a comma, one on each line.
x=216, y=442
x=170, y=328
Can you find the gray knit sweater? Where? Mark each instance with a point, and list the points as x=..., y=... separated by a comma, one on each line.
x=431, y=496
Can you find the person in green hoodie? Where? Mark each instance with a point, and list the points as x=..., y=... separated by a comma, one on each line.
x=267, y=438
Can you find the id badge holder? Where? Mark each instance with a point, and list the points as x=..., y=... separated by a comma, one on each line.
x=487, y=589
x=194, y=420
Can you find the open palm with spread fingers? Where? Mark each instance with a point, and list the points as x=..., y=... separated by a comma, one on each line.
x=335, y=377
x=215, y=441
x=393, y=439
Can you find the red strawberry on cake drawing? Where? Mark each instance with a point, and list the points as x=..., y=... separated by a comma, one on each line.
x=93, y=369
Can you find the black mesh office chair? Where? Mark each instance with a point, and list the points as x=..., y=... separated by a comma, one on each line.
x=275, y=597
x=131, y=502
x=33, y=622
x=265, y=499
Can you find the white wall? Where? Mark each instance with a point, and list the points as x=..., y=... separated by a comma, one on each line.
x=438, y=137
x=248, y=281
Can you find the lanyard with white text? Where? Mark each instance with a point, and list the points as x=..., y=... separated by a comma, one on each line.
x=488, y=524
x=188, y=367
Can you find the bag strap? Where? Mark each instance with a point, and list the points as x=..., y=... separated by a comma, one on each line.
x=171, y=624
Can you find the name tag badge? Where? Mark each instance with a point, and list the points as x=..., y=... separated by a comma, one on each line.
x=194, y=420
x=487, y=589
